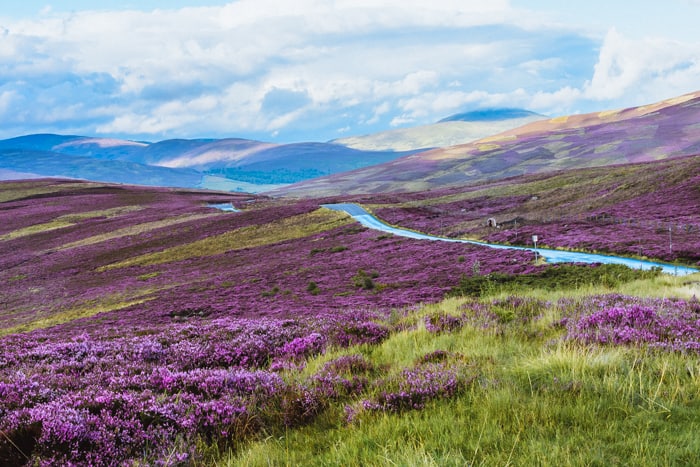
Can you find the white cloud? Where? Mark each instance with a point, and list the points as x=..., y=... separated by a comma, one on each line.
x=627, y=65
x=207, y=71
x=378, y=111
x=6, y=99
x=401, y=120
x=556, y=102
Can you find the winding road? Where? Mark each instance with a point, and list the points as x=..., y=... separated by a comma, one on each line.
x=552, y=256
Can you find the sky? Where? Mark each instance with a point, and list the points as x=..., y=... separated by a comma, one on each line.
x=316, y=70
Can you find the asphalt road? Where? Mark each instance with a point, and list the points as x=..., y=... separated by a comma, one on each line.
x=551, y=256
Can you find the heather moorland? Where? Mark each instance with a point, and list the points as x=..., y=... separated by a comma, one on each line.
x=143, y=326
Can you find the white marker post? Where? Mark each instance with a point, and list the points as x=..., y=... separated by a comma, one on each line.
x=534, y=241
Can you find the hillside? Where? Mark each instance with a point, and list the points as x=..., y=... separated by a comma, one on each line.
x=216, y=337
x=80, y=237
x=54, y=164
x=230, y=164
x=643, y=209
x=456, y=129
x=663, y=130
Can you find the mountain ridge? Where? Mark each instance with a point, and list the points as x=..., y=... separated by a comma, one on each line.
x=651, y=132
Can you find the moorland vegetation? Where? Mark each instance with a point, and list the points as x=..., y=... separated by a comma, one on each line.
x=142, y=327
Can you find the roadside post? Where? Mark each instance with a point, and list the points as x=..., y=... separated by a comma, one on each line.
x=534, y=241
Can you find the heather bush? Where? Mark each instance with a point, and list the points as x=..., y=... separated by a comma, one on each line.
x=613, y=320
x=414, y=387
x=367, y=332
x=343, y=377
x=442, y=322
x=155, y=393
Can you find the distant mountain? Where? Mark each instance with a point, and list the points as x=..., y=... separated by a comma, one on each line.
x=290, y=163
x=456, y=129
x=13, y=175
x=229, y=164
x=53, y=164
x=99, y=148
x=264, y=163
x=491, y=115
x=663, y=130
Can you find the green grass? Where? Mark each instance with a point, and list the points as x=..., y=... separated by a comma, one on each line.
x=246, y=237
x=562, y=276
x=135, y=229
x=537, y=400
x=67, y=221
x=85, y=310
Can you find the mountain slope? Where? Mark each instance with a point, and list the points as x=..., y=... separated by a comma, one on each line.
x=138, y=324
x=264, y=163
x=52, y=164
x=451, y=131
x=230, y=164
x=658, y=131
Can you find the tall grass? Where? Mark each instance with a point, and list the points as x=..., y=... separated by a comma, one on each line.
x=536, y=400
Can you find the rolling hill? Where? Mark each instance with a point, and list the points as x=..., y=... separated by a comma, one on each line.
x=663, y=130
x=54, y=164
x=231, y=164
x=140, y=323
x=456, y=129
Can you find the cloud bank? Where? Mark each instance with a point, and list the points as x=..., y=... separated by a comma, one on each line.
x=315, y=69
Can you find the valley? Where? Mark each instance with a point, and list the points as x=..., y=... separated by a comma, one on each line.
x=176, y=325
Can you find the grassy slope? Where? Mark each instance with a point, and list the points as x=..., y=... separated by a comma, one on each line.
x=536, y=401
x=529, y=398
x=72, y=251
x=621, y=209
x=659, y=131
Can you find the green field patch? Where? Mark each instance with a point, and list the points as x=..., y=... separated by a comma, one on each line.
x=37, y=228
x=290, y=228
x=85, y=310
x=135, y=230
x=10, y=191
x=150, y=275
x=67, y=220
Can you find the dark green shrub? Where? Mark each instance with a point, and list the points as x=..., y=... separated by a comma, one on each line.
x=272, y=292
x=312, y=288
x=560, y=276
x=364, y=280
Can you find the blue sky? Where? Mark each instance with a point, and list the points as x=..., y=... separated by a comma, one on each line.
x=316, y=70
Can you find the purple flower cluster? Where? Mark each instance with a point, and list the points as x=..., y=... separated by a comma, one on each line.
x=113, y=397
x=343, y=377
x=520, y=310
x=443, y=322
x=615, y=320
x=414, y=387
